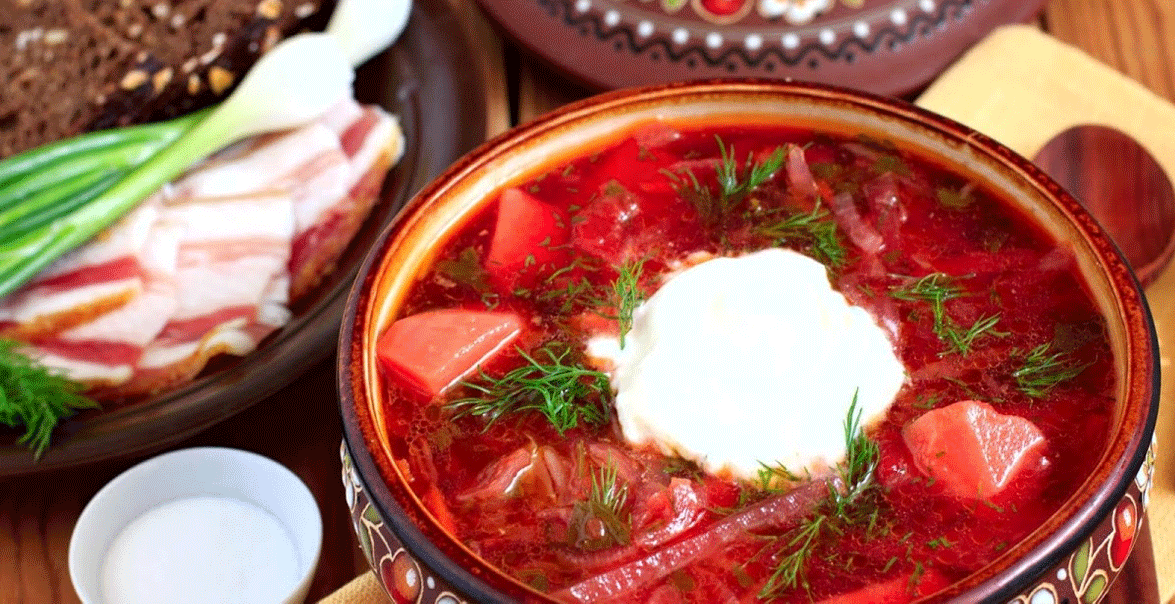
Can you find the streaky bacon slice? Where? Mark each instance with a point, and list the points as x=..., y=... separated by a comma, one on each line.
x=91, y=280
x=105, y=351
x=231, y=263
x=372, y=142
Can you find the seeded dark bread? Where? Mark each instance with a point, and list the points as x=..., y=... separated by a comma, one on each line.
x=71, y=66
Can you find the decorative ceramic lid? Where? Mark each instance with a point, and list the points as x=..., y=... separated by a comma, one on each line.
x=883, y=46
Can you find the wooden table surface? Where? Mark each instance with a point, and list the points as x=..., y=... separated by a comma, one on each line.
x=300, y=426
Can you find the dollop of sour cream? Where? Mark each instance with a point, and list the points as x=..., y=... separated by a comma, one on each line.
x=201, y=550
x=738, y=362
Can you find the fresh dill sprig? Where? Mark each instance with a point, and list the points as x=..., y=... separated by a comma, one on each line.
x=565, y=286
x=956, y=199
x=844, y=506
x=628, y=295
x=605, y=505
x=34, y=397
x=861, y=456
x=960, y=340
x=1040, y=371
x=814, y=229
x=789, y=572
x=606, y=493
x=773, y=478
x=567, y=395
x=623, y=296
x=735, y=182
x=935, y=288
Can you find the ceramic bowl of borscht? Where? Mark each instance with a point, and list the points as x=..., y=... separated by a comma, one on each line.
x=746, y=342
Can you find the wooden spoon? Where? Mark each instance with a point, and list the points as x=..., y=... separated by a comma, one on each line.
x=1123, y=186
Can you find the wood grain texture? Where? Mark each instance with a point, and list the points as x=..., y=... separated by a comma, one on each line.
x=540, y=89
x=1137, y=37
x=489, y=60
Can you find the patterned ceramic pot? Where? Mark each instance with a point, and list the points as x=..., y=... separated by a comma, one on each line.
x=1073, y=557
x=883, y=46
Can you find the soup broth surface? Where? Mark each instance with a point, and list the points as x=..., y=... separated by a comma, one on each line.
x=506, y=423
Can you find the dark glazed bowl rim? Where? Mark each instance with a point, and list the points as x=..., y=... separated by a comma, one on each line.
x=1003, y=578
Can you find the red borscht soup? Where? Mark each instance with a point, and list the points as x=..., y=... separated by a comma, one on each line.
x=521, y=404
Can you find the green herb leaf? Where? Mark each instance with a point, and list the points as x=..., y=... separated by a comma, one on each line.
x=466, y=270
x=815, y=229
x=775, y=478
x=735, y=182
x=623, y=297
x=861, y=455
x=567, y=395
x=1041, y=371
x=961, y=340
x=601, y=520
x=955, y=199
x=935, y=288
x=34, y=397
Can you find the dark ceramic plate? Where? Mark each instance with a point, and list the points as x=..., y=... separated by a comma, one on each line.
x=421, y=79
x=889, y=47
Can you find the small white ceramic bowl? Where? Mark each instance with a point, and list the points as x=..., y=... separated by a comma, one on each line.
x=233, y=475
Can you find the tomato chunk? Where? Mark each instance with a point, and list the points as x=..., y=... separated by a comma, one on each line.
x=972, y=449
x=527, y=238
x=432, y=350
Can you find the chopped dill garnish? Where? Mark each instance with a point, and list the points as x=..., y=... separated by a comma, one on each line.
x=626, y=294
x=1040, y=371
x=773, y=478
x=938, y=543
x=960, y=340
x=935, y=288
x=887, y=163
x=680, y=466
x=826, y=170
x=564, y=287
x=861, y=455
x=606, y=493
x=924, y=401
x=605, y=505
x=567, y=395
x=955, y=199
x=845, y=506
x=916, y=576
x=991, y=505
x=789, y=572
x=735, y=182
x=814, y=229
x=466, y=270
x=34, y=397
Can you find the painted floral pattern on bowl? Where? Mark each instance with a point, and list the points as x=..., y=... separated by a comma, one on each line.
x=886, y=46
x=403, y=577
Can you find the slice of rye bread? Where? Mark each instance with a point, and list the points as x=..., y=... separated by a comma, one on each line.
x=72, y=66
